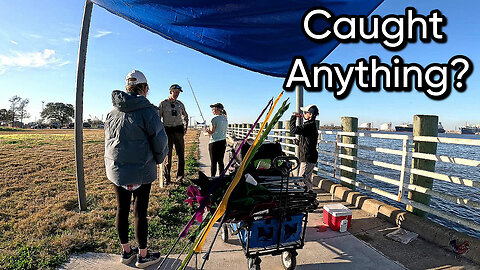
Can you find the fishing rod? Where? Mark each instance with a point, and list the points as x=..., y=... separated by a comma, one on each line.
x=204, y=122
x=222, y=211
x=222, y=175
x=202, y=205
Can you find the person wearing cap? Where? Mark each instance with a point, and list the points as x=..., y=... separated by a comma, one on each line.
x=307, y=142
x=135, y=142
x=175, y=119
x=218, y=143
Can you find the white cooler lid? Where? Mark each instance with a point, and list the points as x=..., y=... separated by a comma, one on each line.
x=337, y=210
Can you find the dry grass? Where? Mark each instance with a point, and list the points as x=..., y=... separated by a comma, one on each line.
x=40, y=225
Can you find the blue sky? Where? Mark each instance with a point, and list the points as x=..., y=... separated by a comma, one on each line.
x=39, y=47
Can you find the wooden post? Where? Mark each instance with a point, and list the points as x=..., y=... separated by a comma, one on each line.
x=278, y=125
x=79, y=89
x=160, y=175
x=349, y=124
x=288, y=134
x=249, y=126
x=423, y=125
x=239, y=133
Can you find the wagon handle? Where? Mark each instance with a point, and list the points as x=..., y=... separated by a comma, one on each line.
x=286, y=158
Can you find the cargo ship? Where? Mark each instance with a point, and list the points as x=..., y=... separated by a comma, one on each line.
x=409, y=128
x=469, y=129
x=404, y=128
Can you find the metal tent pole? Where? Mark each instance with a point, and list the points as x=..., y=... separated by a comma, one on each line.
x=82, y=55
x=298, y=103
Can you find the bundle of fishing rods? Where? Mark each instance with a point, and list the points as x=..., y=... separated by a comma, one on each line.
x=190, y=244
x=293, y=191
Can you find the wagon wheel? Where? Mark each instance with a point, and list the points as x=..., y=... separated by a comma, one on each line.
x=224, y=233
x=289, y=260
x=254, y=263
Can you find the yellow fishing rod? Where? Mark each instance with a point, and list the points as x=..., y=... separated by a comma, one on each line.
x=223, y=204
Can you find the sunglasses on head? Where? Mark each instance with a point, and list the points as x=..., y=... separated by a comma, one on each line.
x=175, y=87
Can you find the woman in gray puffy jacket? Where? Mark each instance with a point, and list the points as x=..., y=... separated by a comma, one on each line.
x=135, y=142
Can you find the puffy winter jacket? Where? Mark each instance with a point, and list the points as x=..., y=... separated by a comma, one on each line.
x=135, y=140
x=308, y=139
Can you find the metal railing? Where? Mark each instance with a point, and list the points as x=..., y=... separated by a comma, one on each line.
x=403, y=186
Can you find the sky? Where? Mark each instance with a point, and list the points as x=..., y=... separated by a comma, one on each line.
x=39, y=48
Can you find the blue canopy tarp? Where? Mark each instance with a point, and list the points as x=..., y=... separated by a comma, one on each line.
x=258, y=35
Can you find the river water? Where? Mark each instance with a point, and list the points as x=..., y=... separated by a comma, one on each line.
x=451, y=150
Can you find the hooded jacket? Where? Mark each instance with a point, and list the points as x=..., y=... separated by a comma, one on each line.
x=135, y=140
x=308, y=139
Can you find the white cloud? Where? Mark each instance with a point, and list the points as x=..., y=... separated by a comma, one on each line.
x=63, y=63
x=70, y=39
x=143, y=50
x=13, y=42
x=101, y=33
x=33, y=35
x=21, y=60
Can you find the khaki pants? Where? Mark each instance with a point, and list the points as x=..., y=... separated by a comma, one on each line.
x=306, y=171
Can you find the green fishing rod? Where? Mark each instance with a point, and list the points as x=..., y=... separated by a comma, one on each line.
x=264, y=135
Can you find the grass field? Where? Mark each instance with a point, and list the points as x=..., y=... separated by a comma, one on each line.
x=40, y=224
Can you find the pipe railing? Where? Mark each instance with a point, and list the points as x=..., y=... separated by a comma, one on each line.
x=403, y=186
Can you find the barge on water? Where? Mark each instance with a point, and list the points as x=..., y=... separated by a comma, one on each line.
x=409, y=128
x=469, y=129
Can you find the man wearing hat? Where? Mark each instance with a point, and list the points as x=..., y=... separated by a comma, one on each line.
x=307, y=142
x=175, y=120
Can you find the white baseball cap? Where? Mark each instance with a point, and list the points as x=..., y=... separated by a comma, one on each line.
x=313, y=109
x=135, y=77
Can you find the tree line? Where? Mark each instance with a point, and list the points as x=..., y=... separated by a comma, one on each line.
x=53, y=112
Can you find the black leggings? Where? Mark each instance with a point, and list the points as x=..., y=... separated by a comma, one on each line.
x=140, y=198
x=217, y=151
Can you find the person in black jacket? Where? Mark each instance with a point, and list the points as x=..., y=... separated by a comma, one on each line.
x=307, y=143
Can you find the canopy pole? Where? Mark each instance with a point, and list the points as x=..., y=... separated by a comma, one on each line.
x=298, y=103
x=82, y=55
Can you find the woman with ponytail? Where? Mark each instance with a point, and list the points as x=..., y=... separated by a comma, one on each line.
x=218, y=142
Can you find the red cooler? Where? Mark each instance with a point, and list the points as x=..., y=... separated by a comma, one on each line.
x=333, y=214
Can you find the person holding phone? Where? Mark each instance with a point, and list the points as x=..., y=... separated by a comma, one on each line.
x=307, y=142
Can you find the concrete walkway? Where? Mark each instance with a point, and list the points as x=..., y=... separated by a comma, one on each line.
x=322, y=250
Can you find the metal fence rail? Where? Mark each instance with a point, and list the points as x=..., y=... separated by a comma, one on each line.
x=406, y=154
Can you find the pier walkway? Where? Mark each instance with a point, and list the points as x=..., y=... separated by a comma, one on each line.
x=364, y=246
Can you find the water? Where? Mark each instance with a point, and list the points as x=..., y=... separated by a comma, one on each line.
x=451, y=150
